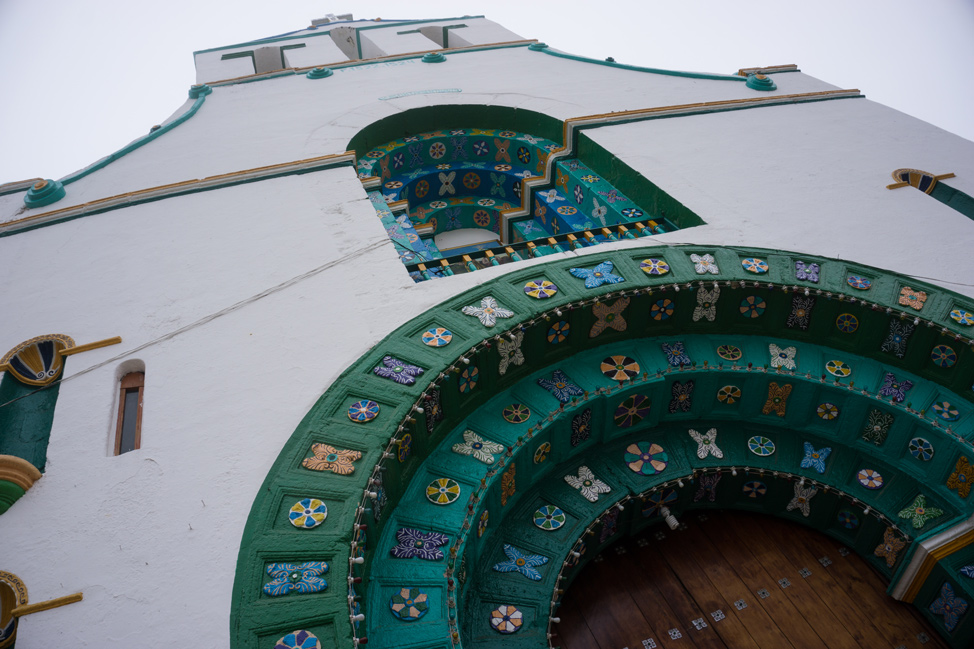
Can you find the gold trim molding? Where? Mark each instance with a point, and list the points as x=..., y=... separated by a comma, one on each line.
x=18, y=471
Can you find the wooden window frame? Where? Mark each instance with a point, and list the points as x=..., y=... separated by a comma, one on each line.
x=128, y=382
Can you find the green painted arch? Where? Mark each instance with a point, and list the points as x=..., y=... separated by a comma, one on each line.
x=258, y=620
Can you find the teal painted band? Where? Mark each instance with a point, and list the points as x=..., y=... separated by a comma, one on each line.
x=635, y=68
x=198, y=92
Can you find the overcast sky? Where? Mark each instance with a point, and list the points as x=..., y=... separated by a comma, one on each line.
x=79, y=80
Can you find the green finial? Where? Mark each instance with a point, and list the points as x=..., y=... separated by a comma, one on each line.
x=199, y=90
x=760, y=82
x=433, y=57
x=537, y=47
x=44, y=192
x=319, y=73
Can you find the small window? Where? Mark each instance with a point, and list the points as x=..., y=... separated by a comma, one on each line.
x=128, y=432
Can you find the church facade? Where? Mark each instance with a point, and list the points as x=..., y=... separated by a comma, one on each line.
x=393, y=326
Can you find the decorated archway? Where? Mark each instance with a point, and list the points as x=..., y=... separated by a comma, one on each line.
x=447, y=487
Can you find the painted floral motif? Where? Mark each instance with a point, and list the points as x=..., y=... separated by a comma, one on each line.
x=328, y=458
x=653, y=266
x=921, y=449
x=877, y=427
x=296, y=577
x=962, y=477
x=761, y=446
x=918, y=513
x=847, y=323
x=567, y=210
x=610, y=524
x=437, y=337
x=437, y=150
x=364, y=411
x=561, y=387
x=899, y=334
x=521, y=562
x=508, y=484
x=468, y=379
x=827, y=411
x=558, y=332
x=619, y=368
x=405, y=446
x=806, y=273
x=894, y=388
x=540, y=289
x=706, y=444
x=704, y=264
x=478, y=447
x=654, y=502
x=943, y=356
x=682, y=396
x=755, y=265
x=946, y=411
x=890, y=546
x=676, y=354
x=482, y=523
x=488, y=311
x=801, y=312
x=801, y=501
x=632, y=213
x=729, y=352
x=754, y=489
x=777, y=399
x=753, y=306
x=378, y=503
x=631, y=411
x=662, y=309
x=506, y=619
x=409, y=604
x=414, y=543
x=960, y=316
x=911, y=298
x=397, y=370
x=847, y=519
x=308, y=513
x=644, y=458
x=516, y=413
x=609, y=317
x=949, y=605
x=815, y=458
x=443, y=491
x=549, y=518
x=588, y=484
x=434, y=409
x=706, y=304
x=857, y=282
x=729, y=394
x=590, y=178
x=707, y=487
x=541, y=453
x=870, y=478
x=968, y=571
x=510, y=352
x=299, y=640
x=581, y=427
x=596, y=277
x=782, y=357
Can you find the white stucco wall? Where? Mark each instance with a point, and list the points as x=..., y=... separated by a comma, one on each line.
x=151, y=537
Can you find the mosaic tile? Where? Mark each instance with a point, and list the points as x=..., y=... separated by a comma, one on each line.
x=894, y=388
x=328, y=458
x=704, y=264
x=707, y=487
x=508, y=484
x=729, y=394
x=631, y=411
x=802, y=499
x=921, y=449
x=877, y=427
x=706, y=444
x=753, y=306
x=296, y=577
x=847, y=323
x=308, y=513
x=858, y=282
x=581, y=427
x=516, y=413
x=482, y=523
x=488, y=311
x=443, y=491
x=848, y=519
x=468, y=379
x=654, y=266
x=558, y=332
x=540, y=289
x=475, y=445
x=943, y=356
x=962, y=477
x=619, y=368
x=783, y=357
x=645, y=458
x=949, y=605
x=729, y=352
x=437, y=337
x=754, y=489
x=918, y=513
x=761, y=446
x=299, y=640
x=610, y=525
x=909, y=297
x=415, y=543
x=560, y=386
x=506, y=619
x=827, y=411
x=510, y=352
x=899, y=334
x=609, y=317
x=654, y=502
x=676, y=354
x=706, y=304
x=870, y=478
x=682, y=396
x=755, y=265
x=586, y=482
x=405, y=447
x=662, y=309
x=777, y=401
x=409, y=604
x=815, y=458
x=396, y=370
x=806, y=273
x=541, y=453
x=521, y=562
x=801, y=312
x=838, y=368
x=597, y=276
x=549, y=518
x=962, y=316
x=363, y=411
